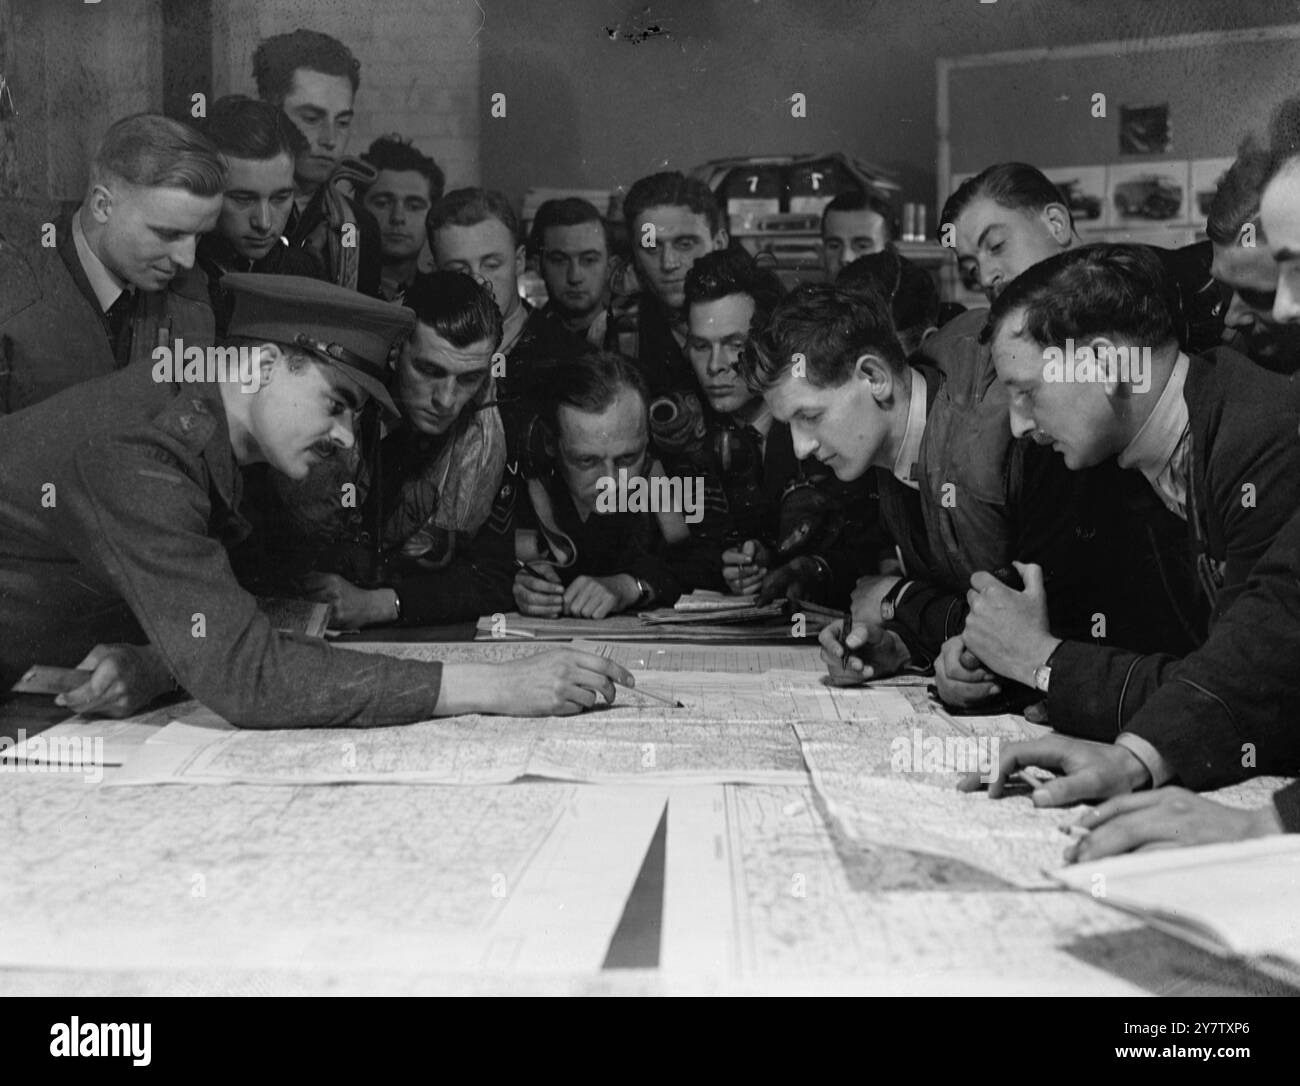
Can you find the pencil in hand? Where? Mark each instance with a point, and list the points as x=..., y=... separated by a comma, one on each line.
x=670, y=702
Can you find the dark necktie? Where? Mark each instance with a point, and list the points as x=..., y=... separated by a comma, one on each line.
x=119, y=326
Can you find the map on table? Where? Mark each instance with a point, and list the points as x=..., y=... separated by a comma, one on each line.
x=729, y=728
x=762, y=895
x=526, y=878
x=633, y=655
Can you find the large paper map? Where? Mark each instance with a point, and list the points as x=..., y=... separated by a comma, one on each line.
x=764, y=895
x=726, y=730
x=523, y=878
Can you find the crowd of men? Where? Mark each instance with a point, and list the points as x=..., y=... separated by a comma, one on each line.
x=1082, y=502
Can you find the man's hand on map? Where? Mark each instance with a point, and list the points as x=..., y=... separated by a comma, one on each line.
x=557, y=683
x=123, y=678
x=1089, y=771
x=872, y=652
x=1165, y=818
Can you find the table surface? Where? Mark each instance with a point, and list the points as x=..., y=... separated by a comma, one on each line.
x=765, y=831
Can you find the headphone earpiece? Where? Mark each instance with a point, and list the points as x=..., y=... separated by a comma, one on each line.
x=537, y=450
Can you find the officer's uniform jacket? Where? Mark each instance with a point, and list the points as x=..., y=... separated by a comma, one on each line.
x=117, y=502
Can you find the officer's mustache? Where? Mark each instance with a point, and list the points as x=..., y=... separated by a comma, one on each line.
x=324, y=449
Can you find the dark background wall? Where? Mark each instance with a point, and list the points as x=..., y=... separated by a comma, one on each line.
x=587, y=110
x=584, y=109
x=1214, y=94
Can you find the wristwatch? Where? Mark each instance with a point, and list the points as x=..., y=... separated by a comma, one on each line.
x=1042, y=677
x=889, y=603
x=647, y=593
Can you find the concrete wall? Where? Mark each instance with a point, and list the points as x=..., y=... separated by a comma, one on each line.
x=419, y=66
x=75, y=69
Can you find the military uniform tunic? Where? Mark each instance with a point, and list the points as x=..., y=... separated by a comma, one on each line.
x=118, y=498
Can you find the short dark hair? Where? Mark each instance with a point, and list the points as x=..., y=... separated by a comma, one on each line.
x=278, y=57
x=153, y=151
x=471, y=206
x=865, y=200
x=831, y=329
x=672, y=189
x=570, y=211
x=456, y=306
x=392, y=152
x=244, y=127
x=1236, y=201
x=908, y=289
x=1016, y=185
x=1283, y=136
x=1097, y=290
x=589, y=383
x=733, y=270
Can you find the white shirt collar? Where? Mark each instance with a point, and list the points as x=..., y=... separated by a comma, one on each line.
x=107, y=286
x=909, y=450
x=1153, y=447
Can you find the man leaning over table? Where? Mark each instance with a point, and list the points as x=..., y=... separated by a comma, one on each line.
x=120, y=496
x=1226, y=712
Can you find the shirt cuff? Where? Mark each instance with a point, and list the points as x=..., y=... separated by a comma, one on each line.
x=1161, y=772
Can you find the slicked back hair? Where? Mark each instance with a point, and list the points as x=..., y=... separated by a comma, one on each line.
x=831, y=329
x=153, y=151
x=1015, y=185
x=1284, y=137
x=456, y=306
x=156, y=152
x=277, y=58
x=1236, y=201
x=1119, y=291
x=471, y=206
x=250, y=128
x=672, y=189
x=392, y=152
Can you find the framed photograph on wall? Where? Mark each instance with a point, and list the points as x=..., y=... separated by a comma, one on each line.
x=1084, y=191
x=1145, y=130
x=1147, y=193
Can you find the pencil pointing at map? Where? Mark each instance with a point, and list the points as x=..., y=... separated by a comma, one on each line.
x=670, y=702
